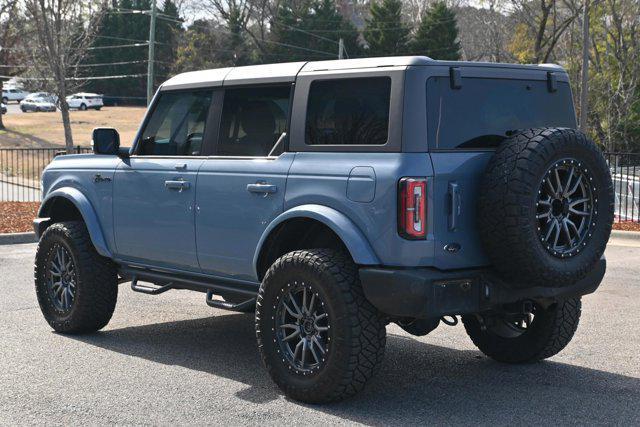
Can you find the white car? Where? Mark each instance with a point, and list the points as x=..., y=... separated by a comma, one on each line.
x=84, y=101
x=13, y=94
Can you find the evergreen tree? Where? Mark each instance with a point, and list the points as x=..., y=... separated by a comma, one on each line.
x=310, y=32
x=437, y=34
x=385, y=32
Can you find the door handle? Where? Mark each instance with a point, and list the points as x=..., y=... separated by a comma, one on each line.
x=261, y=187
x=454, y=205
x=177, y=185
x=180, y=166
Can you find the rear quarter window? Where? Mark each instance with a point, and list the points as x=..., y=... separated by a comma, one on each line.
x=483, y=112
x=348, y=111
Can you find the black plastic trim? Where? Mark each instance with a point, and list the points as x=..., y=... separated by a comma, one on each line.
x=431, y=293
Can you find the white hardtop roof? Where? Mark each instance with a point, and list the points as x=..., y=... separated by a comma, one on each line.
x=287, y=72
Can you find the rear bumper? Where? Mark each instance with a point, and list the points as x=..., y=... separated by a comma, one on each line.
x=432, y=293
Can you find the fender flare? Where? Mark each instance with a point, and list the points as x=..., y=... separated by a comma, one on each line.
x=85, y=208
x=355, y=241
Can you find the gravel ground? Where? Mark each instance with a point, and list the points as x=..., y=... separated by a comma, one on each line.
x=170, y=359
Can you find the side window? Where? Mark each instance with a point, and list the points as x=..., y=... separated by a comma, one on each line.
x=348, y=111
x=253, y=119
x=176, y=126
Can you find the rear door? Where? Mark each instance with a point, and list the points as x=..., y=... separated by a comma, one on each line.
x=465, y=125
x=154, y=190
x=241, y=188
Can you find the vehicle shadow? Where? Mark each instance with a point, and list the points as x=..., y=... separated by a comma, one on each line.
x=418, y=383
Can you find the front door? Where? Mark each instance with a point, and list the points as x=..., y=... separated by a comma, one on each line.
x=154, y=190
x=241, y=189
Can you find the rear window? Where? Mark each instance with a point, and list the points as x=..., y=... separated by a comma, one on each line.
x=348, y=111
x=483, y=112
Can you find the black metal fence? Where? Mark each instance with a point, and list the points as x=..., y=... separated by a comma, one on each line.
x=625, y=171
x=21, y=169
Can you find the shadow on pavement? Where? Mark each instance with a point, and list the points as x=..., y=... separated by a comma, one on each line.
x=418, y=383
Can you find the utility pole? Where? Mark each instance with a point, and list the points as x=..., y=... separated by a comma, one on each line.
x=152, y=52
x=341, y=48
x=584, y=93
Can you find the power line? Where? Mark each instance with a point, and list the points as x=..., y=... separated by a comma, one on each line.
x=309, y=33
x=118, y=46
x=123, y=76
x=299, y=47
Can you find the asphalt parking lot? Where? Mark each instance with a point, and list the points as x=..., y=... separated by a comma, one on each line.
x=170, y=359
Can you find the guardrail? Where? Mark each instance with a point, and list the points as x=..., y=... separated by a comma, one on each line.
x=21, y=169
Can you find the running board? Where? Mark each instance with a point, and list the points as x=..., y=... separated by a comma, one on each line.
x=160, y=282
x=225, y=305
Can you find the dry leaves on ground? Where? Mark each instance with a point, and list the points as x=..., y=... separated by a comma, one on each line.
x=17, y=217
x=627, y=226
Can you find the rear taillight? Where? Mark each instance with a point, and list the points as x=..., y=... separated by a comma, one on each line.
x=412, y=208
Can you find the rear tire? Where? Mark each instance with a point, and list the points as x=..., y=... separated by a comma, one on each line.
x=5, y=100
x=346, y=334
x=550, y=331
x=83, y=107
x=88, y=280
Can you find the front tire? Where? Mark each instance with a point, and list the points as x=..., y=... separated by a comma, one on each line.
x=83, y=107
x=77, y=289
x=512, y=340
x=318, y=336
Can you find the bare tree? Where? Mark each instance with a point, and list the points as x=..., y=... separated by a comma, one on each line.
x=546, y=21
x=63, y=31
x=9, y=35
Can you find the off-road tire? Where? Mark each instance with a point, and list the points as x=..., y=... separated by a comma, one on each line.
x=550, y=332
x=5, y=101
x=96, y=282
x=508, y=201
x=358, y=334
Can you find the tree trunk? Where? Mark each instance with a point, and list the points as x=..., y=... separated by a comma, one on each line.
x=66, y=123
x=1, y=123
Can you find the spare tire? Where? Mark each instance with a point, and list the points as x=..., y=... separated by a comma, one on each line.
x=546, y=207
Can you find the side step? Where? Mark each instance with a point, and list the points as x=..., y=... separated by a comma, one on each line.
x=150, y=289
x=225, y=305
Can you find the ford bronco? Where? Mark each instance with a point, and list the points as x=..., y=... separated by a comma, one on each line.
x=332, y=198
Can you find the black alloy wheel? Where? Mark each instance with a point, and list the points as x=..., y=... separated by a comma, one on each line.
x=565, y=208
x=61, y=278
x=302, y=326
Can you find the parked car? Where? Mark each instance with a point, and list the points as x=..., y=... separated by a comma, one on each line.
x=37, y=104
x=84, y=101
x=13, y=94
x=334, y=197
x=3, y=109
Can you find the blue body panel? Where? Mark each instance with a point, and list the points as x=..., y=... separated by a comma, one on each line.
x=323, y=179
x=93, y=199
x=153, y=223
x=231, y=219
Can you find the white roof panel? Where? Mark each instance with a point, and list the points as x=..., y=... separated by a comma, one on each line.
x=267, y=73
x=347, y=64
x=196, y=79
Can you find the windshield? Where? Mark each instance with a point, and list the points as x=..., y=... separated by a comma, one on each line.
x=484, y=112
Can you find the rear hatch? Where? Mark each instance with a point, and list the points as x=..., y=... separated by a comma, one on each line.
x=469, y=113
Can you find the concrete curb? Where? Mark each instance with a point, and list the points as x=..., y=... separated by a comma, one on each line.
x=15, y=238
x=625, y=235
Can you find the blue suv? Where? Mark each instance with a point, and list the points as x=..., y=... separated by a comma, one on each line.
x=332, y=198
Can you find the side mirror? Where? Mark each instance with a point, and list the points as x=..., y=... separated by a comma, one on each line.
x=106, y=141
